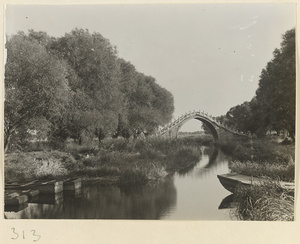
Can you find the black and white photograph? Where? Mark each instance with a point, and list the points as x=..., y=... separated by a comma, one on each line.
x=150, y=112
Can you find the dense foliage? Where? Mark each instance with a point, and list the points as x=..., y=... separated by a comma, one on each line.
x=129, y=162
x=76, y=86
x=273, y=107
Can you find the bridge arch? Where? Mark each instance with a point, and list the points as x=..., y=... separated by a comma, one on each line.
x=202, y=119
x=171, y=130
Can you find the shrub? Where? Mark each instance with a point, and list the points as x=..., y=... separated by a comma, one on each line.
x=99, y=172
x=138, y=159
x=91, y=162
x=155, y=171
x=135, y=177
x=256, y=150
x=49, y=168
x=151, y=154
x=78, y=151
x=33, y=165
x=118, y=144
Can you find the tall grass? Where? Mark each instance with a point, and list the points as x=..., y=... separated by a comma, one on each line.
x=275, y=171
x=37, y=165
x=140, y=175
x=135, y=161
x=256, y=150
x=260, y=157
x=268, y=202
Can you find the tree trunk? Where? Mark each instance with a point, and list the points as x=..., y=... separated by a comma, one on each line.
x=6, y=142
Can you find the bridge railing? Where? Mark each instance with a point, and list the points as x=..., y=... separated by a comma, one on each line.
x=187, y=115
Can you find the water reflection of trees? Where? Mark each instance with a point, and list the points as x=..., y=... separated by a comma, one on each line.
x=110, y=202
x=151, y=202
x=187, y=170
x=212, y=153
x=107, y=202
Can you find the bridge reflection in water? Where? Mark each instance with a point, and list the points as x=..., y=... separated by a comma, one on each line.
x=193, y=193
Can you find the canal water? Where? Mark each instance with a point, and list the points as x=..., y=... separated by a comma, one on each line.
x=191, y=194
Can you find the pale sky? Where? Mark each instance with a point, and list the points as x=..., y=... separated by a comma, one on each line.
x=209, y=56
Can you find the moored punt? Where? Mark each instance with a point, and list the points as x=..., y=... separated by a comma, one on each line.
x=73, y=184
x=230, y=181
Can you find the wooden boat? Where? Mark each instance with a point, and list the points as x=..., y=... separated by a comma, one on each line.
x=231, y=180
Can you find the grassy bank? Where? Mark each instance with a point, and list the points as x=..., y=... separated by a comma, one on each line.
x=262, y=158
x=268, y=202
x=123, y=162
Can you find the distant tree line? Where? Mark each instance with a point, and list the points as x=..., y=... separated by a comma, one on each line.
x=76, y=86
x=273, y=108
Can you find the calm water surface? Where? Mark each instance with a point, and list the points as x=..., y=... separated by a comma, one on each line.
x=192, y=194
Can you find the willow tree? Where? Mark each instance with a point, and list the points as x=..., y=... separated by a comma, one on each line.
x=94, y=61
x=35, y=85
x=147, y=104
x=274, y=106
x=276, y=94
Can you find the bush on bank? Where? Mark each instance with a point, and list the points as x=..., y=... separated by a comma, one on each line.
x=260, y=157
x=130, y=160
x=259, y=150
x=37, y=165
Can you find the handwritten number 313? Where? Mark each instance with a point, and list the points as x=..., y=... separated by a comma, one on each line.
x=16, y=235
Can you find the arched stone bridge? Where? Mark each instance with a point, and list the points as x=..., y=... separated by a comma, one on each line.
x=171, y=130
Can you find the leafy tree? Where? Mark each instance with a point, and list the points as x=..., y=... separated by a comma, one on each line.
x=122, y=129
x=273, y=107
x=163, y=104
x=41, y=37
x=94, y=62
x=239, y=117
x=276, y=94
x=147, y=104
x=35, y=85
x=78, y=88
